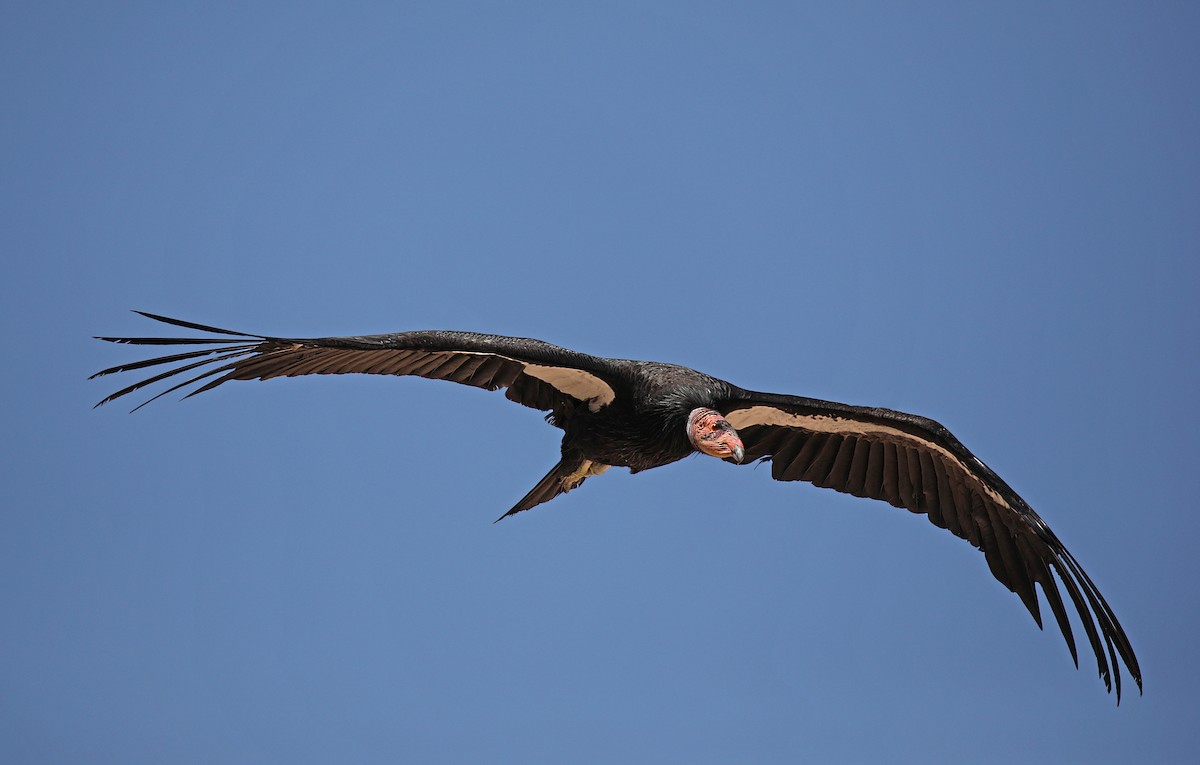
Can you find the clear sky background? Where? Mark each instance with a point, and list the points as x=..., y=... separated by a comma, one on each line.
x=986, y=214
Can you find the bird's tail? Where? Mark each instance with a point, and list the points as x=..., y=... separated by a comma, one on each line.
x=570, y=472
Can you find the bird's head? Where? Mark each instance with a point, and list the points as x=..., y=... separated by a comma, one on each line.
x=711, y=433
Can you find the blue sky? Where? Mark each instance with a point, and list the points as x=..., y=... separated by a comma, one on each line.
x=985, y=215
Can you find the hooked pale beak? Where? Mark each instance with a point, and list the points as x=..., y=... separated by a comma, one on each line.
x=739, y=452
x=726, y=445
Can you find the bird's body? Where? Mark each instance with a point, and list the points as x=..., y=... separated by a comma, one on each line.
x=644, y=427
x=642, y=415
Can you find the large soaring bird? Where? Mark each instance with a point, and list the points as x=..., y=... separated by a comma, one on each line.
x=644, y=414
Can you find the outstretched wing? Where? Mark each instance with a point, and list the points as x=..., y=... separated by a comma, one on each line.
x=535, y=374
x=915, y=463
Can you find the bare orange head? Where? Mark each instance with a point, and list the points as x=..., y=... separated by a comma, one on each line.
x=711, y=433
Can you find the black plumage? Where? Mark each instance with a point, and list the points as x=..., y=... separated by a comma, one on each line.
x=639, y=415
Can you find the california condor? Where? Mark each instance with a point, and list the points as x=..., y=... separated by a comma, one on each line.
x=645, y=414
